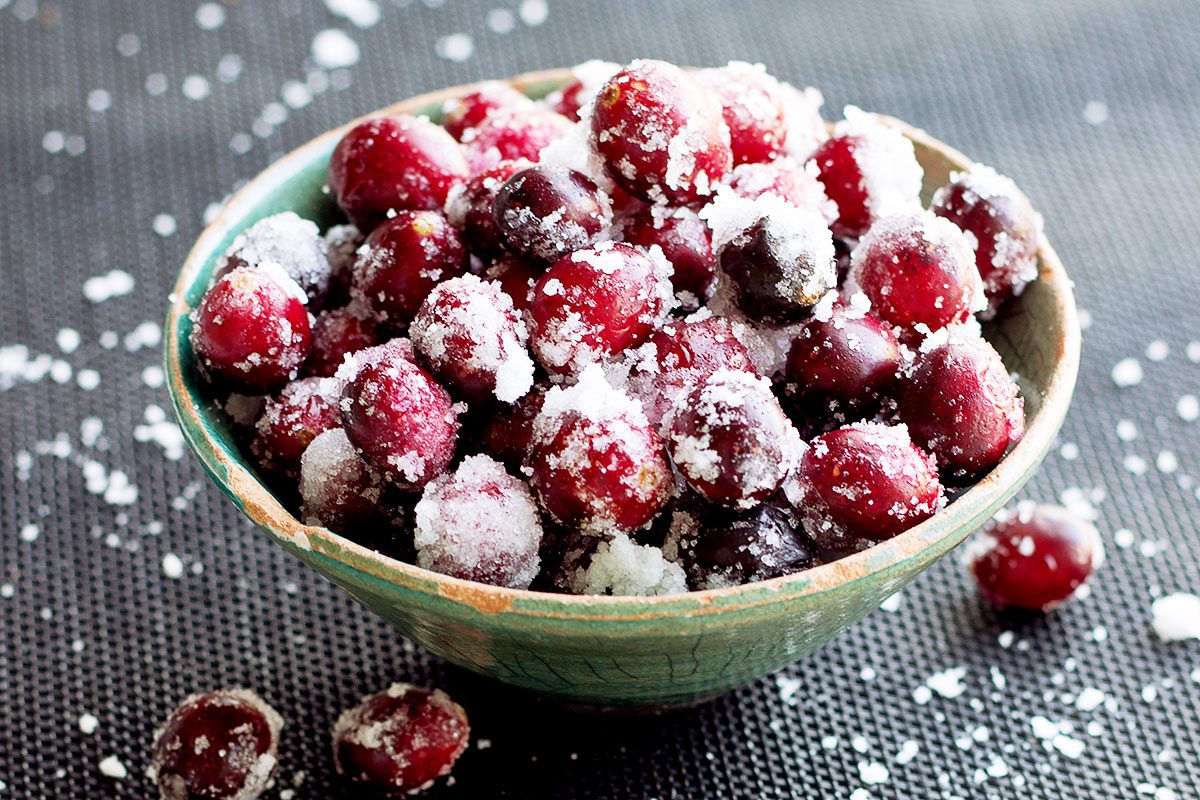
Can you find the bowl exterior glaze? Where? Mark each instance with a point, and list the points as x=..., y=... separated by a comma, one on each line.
x=603, y=651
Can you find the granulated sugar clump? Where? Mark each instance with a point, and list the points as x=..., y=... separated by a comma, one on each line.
x=622, y=567
x=1127, y=372
x=480, y=524
x=293, y=244
x=1176, y=617
x=890, y=172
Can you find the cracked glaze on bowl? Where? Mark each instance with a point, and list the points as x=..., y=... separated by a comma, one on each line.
x=615, y=651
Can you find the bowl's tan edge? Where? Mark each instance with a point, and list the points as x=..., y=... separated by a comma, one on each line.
x=264, y=510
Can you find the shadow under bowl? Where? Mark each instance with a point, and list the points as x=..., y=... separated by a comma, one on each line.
x=617, y=651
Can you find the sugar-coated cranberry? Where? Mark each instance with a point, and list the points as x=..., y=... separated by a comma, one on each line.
x=252, y=331
x=752, y=104
x=480, y=524
x=730, y=439
x=721, y=547
x=596, y=462
x=511, y=134
x=516, y=278
x=917, y=270
x=806, y=128
x=220, y=745
x=403, y=259
x=1005, y=228
x=401, y=163
x=341, y=247
x=507, y=430
x=397, y=415
x=291, y=243
x=961, y=404
x=399, y=741
x=685, y=241
x=547, y=211
x=291, y=420
x=335, y=335
x=595, y=303
x=461, y=114
x=869, y=170
x=863, y=483
x=840, y=363
x=580, y=92
x=471, y=337
x=1035, y=557
x=470, y=210
x=661, y=135
x=795, y=182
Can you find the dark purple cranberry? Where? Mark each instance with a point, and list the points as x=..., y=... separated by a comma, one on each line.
x=290, y=421
x=220, y=745
x=513, y=134
x=341, y=246
x=752, y=104
x=335, y=335
x=401, y=163
x=685, y=241
x=721, y=547
x=516, y=279
x=465, y=113
x=960, y=404
x=547, y=211
x=1035, y=558
x=508, y=429
x=399, y=741
x=341, y=492
x=291, y=243
x=252, y=331
x=471, y=209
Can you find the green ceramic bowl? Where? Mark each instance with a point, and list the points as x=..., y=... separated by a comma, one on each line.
x=617, y=651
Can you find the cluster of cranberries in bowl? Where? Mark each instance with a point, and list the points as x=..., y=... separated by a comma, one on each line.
x=660, y=331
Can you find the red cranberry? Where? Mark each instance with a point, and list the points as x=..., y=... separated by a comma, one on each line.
x=470, y=210
x=547, y=211
x=467, y=112
x=806, y=128
x=341, y=492
x=589, y=76
x=470, y=336
x=289, y=242
x=752, y=103
x=662, y=136
x=731, y=440
x=252, y=330
x=399, y=163
x=400, y=740
x=870, y=171
x=798, y=184
x=480, y=524
x=221, y=745
x=1005, y=228
x=508, y=429
x=685, y=241
x=341, y=246
x=516, y=278
x=596, y=303
x=511, y=134
x=290, y=421
x=403, y=259
x=335, y=335
x=863, y=483
x=1035, y=558
x=568, y=100
x=961, y=405
x=841, y=363
x=720, y=547
x=917, y=271
x=394, y=412
x=597, y=464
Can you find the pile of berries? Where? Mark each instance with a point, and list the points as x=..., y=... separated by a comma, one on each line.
x=660, y=331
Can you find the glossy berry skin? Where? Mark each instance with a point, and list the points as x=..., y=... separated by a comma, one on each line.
x=399, y=741
x=752, y=105
x=1005, y=228
x=917, y=271
x=402, y=260
x=686, y=242
x=1035, y=558
x=961, y=404
x=401, y=420
x=837, y=160
x=293, y=244
x=464, y=113
x=290, y=421
x=720, y=547
x=471, y=210
x=660, y=134
x=861, y=484
x=220, y=745
x=730, y=439
x=516, y=278
x=513, y=134
x=596, y=303
x=399, y=163
x=841, y=364
x=336, y=334
x=545, y=212
x=251, y=332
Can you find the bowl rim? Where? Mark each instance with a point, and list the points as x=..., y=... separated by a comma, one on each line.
x=263, y=509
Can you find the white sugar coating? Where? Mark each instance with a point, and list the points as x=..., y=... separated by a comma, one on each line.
x=758, y=178
x=334, y=49
x=111, y=767
x=157, y=429
x=115, y=283
x=290, y=245
x=948, y=683
x=574, y=150
x=88, y=724
x=479, y=523
x=457, y=47
x=802, y=117
x=987, y=184
x=1090, y=699
x=172, y=566
x=1188, y=408
x=891, y=175
x=1176, y=617
x=620, y=566
x=466, y=323
x=1127, y=372
x=872, y=772
x=329, y=456
x=593, y=398
x=361, y=13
